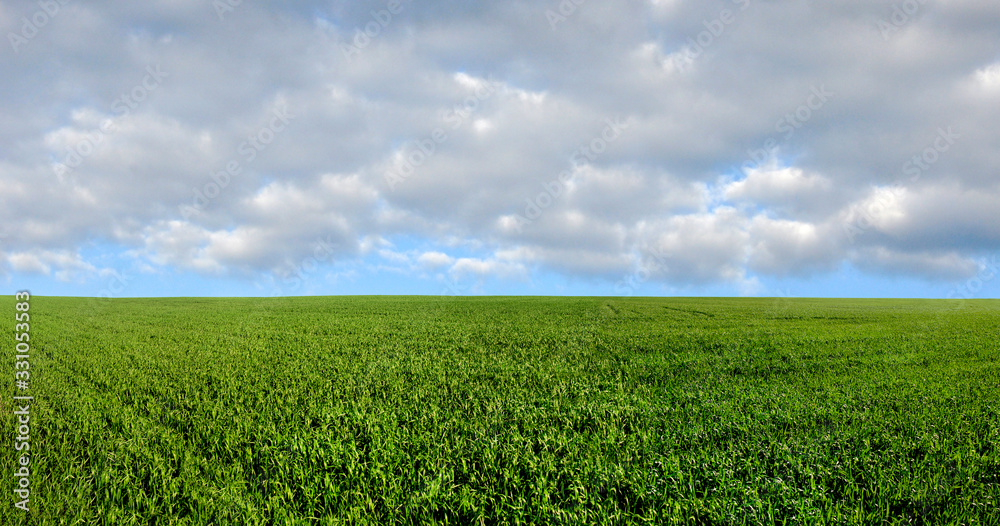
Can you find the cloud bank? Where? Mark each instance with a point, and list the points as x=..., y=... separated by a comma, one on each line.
x=692, y=143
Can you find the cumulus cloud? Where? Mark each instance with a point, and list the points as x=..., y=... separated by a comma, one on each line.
x=787, y=190
x=487, y=267
x=485, y=140
x=930, y=265
x=62, y=265
x=434, y=260
x=782, y=247
x=696, y=248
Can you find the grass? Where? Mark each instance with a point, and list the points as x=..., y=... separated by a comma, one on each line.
x=423, y=410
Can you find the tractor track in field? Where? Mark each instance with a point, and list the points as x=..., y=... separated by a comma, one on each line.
x=690, y=311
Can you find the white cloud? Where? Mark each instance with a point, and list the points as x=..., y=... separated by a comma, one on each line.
x=487, y=268
x=32, y=264
x=936, y=216
x=788, y=191
x=696, y=248
x=62, y=265
x=181, y=245
x=989, y=76
x=782, y=247
x=929, y=265
x=777, y=186
x=518, y=104
x=579, y=261
x=435, y=260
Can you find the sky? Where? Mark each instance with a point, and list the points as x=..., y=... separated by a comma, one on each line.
x=579, y=147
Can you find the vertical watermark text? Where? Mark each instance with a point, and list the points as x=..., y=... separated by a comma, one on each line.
x=22, y=399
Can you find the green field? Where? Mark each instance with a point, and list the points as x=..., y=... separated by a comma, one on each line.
x=423, y=410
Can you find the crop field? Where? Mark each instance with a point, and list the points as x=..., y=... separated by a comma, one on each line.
x=508, y=410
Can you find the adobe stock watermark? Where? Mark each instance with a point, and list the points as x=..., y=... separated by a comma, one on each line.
x=248, y=150
x=115, y=284
x=452, y=287
x=787, y=125
x=294, y=275
x=33, y=25
x=714, y=29
x=553, y=189
x=971, y=287
x=863, y=218
x=23, y=398
x=902, y=13
x=123, y=106
x=421, y=150
x=923, y=161
x=224, y=7
x=631, y=283
x=562, y=12
x=380, y=20
x=781, y=302
x=958, y=297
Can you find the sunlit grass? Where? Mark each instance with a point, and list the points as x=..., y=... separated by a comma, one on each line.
x=419, y=410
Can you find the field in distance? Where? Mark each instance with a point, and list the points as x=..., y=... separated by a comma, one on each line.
x=509, y=410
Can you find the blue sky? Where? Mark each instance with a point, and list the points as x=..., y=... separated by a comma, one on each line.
x=653, y=147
